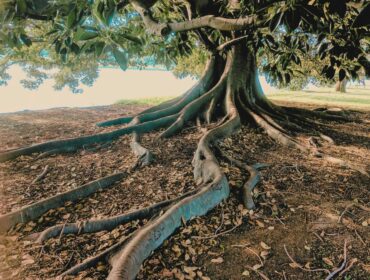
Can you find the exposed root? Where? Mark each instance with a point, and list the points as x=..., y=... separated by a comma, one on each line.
x=325, y=115
x=206, y=171
x=343, y=163
x=92, y=261
x=152, y=235
x=118, y=121
x=63, y=150
x=175, y=105
x=41, y=175
x=250, y=184
x=35, y=210
x=144, y=156
x=191, y=110
x=275, y=134
x=96, y=225
x=72, y=144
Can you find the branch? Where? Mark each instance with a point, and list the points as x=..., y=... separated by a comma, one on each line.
x=220, y=23
x=231, y=42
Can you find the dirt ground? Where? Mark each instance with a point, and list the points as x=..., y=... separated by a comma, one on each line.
x=310, y=215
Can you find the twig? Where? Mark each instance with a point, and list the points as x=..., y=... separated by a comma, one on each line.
x=367, y=209
x=69, y=261
x=277, y=218
x=218, y=234
x=253, y=252
x=301, y=267
x=332, y=274
x=359, y=237
x=344, y=211
x=42, y=175
x=318, y=236
x=350, y=264
x=263, y=276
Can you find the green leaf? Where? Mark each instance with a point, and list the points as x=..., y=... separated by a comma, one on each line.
x=21, y=6
x=99, y=47
x=71, y=19
x=121, y=58
x=75, y=48
x=83, y=34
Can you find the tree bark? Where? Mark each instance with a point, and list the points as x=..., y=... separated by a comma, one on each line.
x=340, y=86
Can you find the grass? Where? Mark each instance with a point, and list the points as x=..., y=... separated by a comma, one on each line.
x=354, y=98
x=144, y=101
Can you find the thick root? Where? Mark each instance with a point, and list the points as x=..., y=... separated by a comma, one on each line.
x=73, y=144
x=35, y=210
x=190, y=111
x=175, y=105
x=152, y=236
x=91, y=226
x=118, y=121
x=216, y=188
x=251, y=183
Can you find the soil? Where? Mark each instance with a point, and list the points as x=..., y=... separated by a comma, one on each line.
x=307, y=208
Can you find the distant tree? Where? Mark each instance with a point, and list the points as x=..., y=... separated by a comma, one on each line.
x=237, y=36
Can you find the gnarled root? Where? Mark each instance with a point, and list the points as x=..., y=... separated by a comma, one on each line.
x=110, y=223
x=252, y=181
x=35, y=210
x=73, y=144
x=151, y=119
x=215, y=189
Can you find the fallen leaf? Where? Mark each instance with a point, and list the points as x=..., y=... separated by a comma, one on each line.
x=246, y=273
x=257, y=266
x=294, y=265
x=260, y=224
x=328, y=261
x=264, y=254
x=265, y=246
x=217, y=260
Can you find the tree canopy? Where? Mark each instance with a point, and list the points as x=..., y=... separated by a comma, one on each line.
x=76, y=37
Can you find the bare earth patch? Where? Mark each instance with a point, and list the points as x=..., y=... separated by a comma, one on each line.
x=307, y=210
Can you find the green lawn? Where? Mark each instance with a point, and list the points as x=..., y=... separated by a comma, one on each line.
x=144, y=101
x=354, y=98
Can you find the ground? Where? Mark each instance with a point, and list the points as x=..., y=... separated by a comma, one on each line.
x=356, y=97
x=311, y=208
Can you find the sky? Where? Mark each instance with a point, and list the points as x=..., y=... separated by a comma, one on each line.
x=112, y=85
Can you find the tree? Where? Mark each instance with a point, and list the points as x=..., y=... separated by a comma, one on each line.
x=235, y=35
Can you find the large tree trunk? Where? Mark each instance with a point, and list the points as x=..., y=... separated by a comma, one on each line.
x=340, y=86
